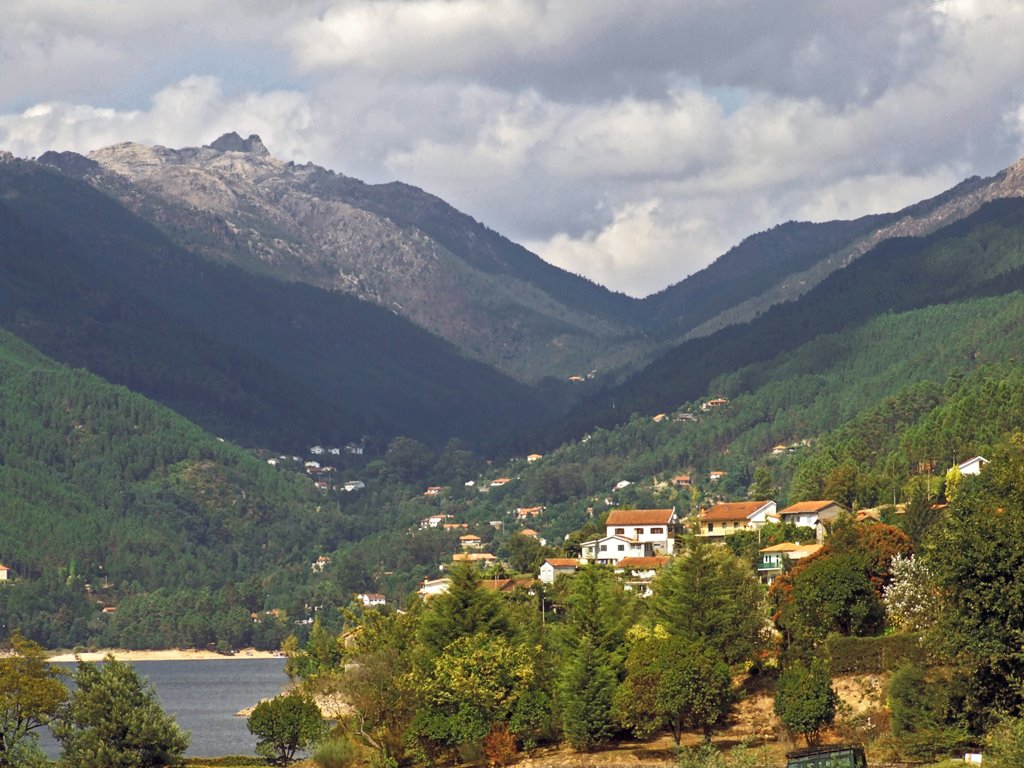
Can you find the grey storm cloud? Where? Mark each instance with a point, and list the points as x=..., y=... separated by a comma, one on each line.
x=630, y=142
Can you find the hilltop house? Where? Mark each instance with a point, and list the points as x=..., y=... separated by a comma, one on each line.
x=609, y=550
x=433, y=587
x=772, y=560
x=639, y=572
x=372, y=599
x=656, y=527
x=5, y=573
x=727, y=518
x=470, y=541
x=554, y=567
x=972, y=466
x=812, y=514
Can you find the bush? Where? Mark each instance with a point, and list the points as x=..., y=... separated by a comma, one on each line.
x=863, y=655
x=285, y=725
x=499, y=746
x=337, y=752
x=1005, y=745
x=921, y=714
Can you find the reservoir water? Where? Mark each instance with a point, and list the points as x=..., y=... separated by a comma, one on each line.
x=203, y=697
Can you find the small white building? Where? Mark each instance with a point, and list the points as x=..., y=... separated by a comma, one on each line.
x=772, y=560
x=554, y=567
x=470, y=541
x=433, y=587
x=638, y=572
x=372, y=599
x=354, y=485
x=5, y=573
x=317, y=450
x=810, y=514
x=320, y=563
x=972, y=466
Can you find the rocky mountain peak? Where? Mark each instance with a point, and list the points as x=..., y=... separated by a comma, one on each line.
x=232, y=142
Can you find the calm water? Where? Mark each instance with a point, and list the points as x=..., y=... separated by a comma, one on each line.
x=203, y=696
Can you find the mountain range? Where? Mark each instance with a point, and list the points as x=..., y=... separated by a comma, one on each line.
x=279, y=303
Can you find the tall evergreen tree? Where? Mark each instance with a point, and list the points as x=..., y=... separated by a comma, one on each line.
x=584, y=695
x=709, y=597
x=463, y=610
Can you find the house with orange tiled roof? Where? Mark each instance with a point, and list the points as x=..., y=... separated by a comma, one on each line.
x=812, y=514
x=554, y=567
x=639, y=572
x=728, y=518
x=656, y=527
x=524, y=512
x=470, y=541
x=474, y=557
x=773, y=560
x=681, y=481
x=5, y=573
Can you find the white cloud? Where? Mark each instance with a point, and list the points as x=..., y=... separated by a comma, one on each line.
x=632, y=143
x=189, y=113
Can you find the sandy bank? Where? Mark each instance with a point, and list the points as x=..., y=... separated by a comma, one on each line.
x=166, y=655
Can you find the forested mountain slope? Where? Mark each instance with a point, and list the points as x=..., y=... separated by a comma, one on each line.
x=981, y=255
x=789, y=260
x=391, y=244
x=105, y=494
x=247, y=356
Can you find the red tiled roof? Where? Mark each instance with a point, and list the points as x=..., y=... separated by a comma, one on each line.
x=736, y=510
x=808, y=506
x=643, y=563
x=563, y=562
x=639, y=516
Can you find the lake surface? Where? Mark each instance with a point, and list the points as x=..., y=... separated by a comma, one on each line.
x=203, y=697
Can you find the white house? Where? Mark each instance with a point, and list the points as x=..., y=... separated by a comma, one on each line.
x=656, y=527
x=372, y=599
x=354, y=485
x=811, y=514
x=972, y=466
x=731, y=517
x=772, y=560
x=317, y=450
x=320, y=563
x=639, y=572
x=5, y=573
x=610, y=549
x=433, y=587
x=554, y=567
x=470, y=541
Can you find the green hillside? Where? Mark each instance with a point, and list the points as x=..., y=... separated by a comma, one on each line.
x=260, y=361
x=105, y=495
x=981, y=255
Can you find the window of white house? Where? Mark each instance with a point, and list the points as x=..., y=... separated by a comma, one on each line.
x=638, y=531
x=603, y=548
x=622, y=547
x=620, y=531
x=657, y=530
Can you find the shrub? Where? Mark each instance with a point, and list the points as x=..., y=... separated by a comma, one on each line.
x=1005, y=744
x=336, y=752
x=863, y=655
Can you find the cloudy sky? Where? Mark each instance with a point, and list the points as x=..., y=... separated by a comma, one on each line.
x=631, y=142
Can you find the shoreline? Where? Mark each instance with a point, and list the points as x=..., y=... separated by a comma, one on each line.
x=172, y=654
